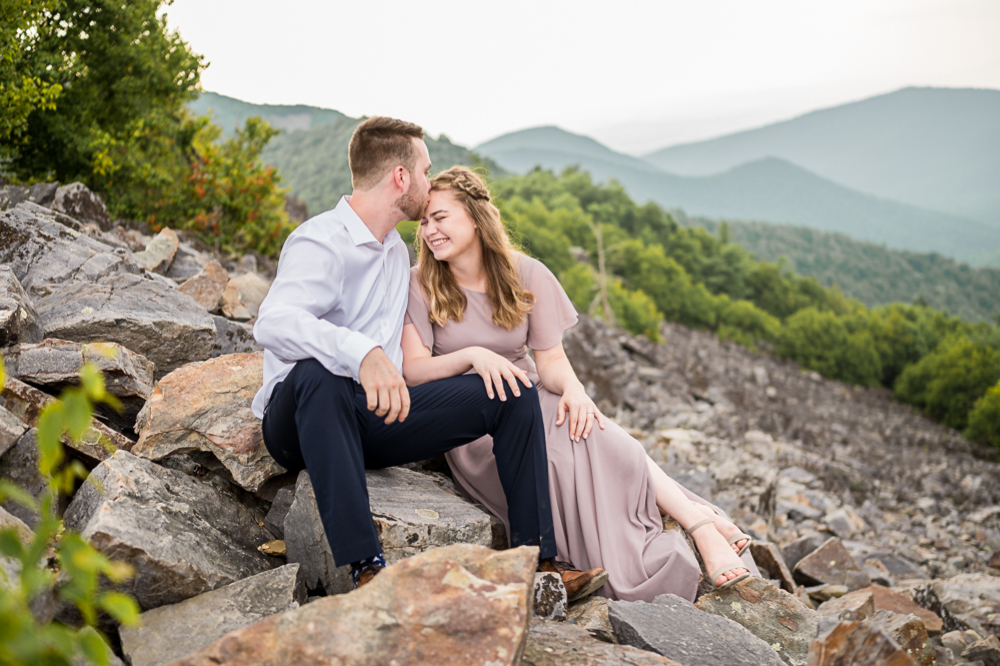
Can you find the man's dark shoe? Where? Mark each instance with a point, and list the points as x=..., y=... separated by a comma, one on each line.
x=366, y=573
x=579, y=584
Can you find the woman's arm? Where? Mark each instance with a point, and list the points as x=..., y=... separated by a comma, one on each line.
x=556, y=373
x=420, y=366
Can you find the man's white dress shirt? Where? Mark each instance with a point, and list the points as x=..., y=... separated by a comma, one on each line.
x=338, y=294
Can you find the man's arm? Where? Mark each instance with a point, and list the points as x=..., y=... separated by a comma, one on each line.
x=289, y=322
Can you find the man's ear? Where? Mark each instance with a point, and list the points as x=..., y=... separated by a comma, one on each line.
x=401, y=178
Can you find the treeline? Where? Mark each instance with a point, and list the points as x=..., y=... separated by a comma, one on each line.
x=95, y=92
x=872, y=273
x=656, y=269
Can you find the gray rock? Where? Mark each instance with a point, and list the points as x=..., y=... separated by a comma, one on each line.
x=674, y=628
x=171, y=632
x=986, y=650
x=831, y=564
x=591, y=615
x=411, y=514
x=19, y=465
x=907, y=630
x=183, y=536
x=233, y=337
x=799, y=548
x=46, y=252
x=55, y=364
x=771, y=614
x=857, y=644
x=550, y=597
x=768, y=559
x=76, y=201
x=167, y=327
x=11, y=429
x=18, y=319
x=187, y=263
x=159, y=254
x=559, y=644
x=41, y=193
x=275, y=520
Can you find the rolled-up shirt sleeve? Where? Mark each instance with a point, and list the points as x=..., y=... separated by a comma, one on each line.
x=291, y=324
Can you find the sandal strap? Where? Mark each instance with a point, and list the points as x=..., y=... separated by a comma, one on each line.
x=700, y=523
x=738, y=537
x=721, y=570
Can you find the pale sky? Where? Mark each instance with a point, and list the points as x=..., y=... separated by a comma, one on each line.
x=637, y=75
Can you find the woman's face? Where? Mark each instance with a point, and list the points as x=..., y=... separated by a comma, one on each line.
x=447, y=228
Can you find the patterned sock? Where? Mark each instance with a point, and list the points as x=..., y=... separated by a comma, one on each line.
x=356, y=567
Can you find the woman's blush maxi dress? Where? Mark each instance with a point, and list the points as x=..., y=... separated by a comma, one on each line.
x=602, y=495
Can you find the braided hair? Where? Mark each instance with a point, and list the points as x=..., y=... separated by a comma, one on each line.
x=510, y=300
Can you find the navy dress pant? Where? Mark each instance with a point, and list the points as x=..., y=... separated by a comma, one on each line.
x=320, y=422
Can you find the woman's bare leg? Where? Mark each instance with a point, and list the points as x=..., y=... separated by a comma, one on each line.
x=711, y=544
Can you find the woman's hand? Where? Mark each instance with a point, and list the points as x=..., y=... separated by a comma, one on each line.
x=494, y=368
x=581, y=410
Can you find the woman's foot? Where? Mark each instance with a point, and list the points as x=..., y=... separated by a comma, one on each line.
x=725, y=528
x=716, y=553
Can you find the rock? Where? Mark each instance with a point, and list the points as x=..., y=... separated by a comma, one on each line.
x=558, y=644
x=769, y=560
x=966, y=593
x=897, y=602
x=275, y=520
x=233, y=338
x=772, y=615
x=205, y=407
x=171, y=632
x=995, y=560
x=831, y=563
x=957, y=641
x=11, y=429
x=41, y=194
x=251, y=289
x=924, y=595
x=457, y=605
x=674, y=628
x=165, y=326
x=591, y=615
x=76, y=201
x=46, y=253
x=18, y=319
x=19, y=465
x=826, y=591
x=550, y=597
x=159, y=254
x=207, y=286
x=26, y=402
x=231, y=306
x=899, y=567
x=858, y=644
x=411, y=514
x=909, y=632
x=987, y=651
x=795, y=551
x=183, y=536
x=844, y=522
x=55, y=364
x=854, y=607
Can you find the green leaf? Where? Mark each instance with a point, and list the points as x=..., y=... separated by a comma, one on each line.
x=76, y=410
x=50, y=429
x=93, y=646
x=10, y=544
x=17, y=494
x=121, y=606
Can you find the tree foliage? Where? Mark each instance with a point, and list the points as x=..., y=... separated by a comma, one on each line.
x=21, y=92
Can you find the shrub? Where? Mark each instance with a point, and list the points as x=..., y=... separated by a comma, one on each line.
x=984, y=419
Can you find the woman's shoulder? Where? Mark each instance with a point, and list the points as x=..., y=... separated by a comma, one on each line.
x=415, y=287
x=530, y=269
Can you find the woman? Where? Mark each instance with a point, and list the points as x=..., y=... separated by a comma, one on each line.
x=476, y=305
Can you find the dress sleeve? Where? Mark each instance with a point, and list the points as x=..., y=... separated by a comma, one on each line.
x=552, y=313
x=417, y=312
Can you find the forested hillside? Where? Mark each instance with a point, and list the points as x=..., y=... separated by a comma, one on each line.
x=655, y=269
x=871, y=273
x=765, y=189
x=230, y=113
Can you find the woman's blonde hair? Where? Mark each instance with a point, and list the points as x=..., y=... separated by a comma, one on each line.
x=510, y=300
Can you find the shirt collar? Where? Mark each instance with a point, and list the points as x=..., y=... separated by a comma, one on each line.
x=359, y=231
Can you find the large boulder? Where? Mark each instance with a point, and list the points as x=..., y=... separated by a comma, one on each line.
x=76, y=201
x=591, y=615
x=560, y=644
x=26, y=402
x=184, y=536
x=249, y=289
x=411, y=514
x=460, y=605
x=19, y=465
x=233, y=337
x=853, y=606
x=674, y=628
x=41, y=194
x=167, y=327
x=171, y=632
x=205, y=408
x=18, y=319
x=770, y=614
x=858, y=644
x=207, y=285
x=55, y=364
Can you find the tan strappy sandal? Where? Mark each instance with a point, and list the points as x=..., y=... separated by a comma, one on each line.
x=738, y=564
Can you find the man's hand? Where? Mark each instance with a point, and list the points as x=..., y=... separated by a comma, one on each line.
x=384, y=387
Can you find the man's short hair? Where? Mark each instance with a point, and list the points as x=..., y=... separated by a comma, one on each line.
x=378, y=145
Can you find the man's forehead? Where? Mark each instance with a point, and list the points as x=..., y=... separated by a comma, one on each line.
x=422, y=148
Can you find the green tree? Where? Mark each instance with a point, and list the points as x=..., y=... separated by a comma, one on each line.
x=78, y=567
x=20, y=91
x=822, y=342
x=746, y=324
x=984, y=419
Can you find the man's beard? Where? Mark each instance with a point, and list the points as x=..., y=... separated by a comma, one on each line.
x=411, y=203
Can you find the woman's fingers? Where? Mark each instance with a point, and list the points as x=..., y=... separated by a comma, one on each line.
x=561, y=412
x=600, y=418
x=489, y=384
x=522, y=375
x=581, y=423
x=498, y=383
x=590, y=424
x=511, y=381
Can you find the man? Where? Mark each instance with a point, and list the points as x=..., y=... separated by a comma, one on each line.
x=333, y=400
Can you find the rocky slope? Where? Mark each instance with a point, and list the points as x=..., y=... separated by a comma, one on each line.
x=877, y=530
